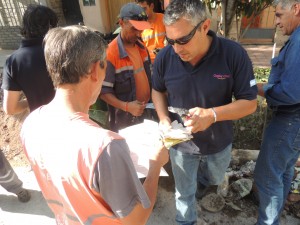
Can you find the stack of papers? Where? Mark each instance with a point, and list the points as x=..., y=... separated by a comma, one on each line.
x=143, y=138
x=176, y=134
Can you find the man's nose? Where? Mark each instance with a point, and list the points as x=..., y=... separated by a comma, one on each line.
x=277, y=21
x=177, y=47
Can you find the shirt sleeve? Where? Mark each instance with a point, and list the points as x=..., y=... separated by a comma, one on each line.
x=158, y=82
x=283, y=86
x=8, y=77
x=116, y=180
x=109, y=81
x=244, y=81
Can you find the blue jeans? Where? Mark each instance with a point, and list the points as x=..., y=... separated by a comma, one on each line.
x=187, y=169
x=275, y=165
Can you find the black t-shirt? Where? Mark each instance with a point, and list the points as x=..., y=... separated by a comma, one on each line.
x=25, y=70
x=224, y=72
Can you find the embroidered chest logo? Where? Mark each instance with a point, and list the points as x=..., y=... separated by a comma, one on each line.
x=222, y=76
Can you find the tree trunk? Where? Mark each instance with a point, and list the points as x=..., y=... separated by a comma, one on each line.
x=229, y=7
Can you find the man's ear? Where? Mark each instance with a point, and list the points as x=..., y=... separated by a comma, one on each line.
x=206, y=25
x=297, y=9
x=152, y=6
x=121, y=22
x=94, y=70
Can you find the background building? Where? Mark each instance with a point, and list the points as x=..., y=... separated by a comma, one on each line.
x=101, y=15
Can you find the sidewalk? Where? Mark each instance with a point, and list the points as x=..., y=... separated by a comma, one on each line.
x=261, y=55
x=34, y=212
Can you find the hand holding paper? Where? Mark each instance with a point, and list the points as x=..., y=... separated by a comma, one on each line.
x=175, y=134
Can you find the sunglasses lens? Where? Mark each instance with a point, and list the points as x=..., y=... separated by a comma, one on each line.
x=179, y=42
x=182, y=42
x=170, y=41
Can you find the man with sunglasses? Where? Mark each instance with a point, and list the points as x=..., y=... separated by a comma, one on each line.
x=127, y=87
x=280, y=147
x=201, y=73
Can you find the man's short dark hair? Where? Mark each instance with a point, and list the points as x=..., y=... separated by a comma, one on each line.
x=37, y=20
x=70, y=51
x=149, y=2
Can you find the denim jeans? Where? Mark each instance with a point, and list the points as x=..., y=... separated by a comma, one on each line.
x=275, y=165
x=187, y=169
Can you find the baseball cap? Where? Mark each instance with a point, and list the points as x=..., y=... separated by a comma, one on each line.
x=136, y=15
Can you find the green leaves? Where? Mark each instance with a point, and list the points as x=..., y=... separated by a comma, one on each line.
x=261, y=74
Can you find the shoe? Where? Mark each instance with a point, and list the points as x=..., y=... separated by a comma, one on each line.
x=201, y=190
x=24, y=195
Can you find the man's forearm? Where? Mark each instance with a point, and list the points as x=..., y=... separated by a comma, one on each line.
x=235, y=110
x=113, y=101
x=161, y=105
x=19, y=107
x=260, y=89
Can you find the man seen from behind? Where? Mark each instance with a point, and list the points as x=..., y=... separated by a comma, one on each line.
x=84, y=171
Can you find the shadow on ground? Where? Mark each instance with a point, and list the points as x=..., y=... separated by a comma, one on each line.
x=36, y=205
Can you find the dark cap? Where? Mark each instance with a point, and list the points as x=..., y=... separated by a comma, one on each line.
x=136, y=15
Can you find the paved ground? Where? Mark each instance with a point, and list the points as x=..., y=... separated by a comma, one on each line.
x=34, y=212
x=261, y=55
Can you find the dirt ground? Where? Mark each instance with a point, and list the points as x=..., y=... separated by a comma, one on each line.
x=10, y=143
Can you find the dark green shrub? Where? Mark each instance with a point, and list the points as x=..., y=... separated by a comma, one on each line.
x=248, y=131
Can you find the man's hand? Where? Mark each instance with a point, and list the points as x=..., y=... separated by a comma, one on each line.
x=160, y=156
x=200, y=119
x=136, y=108
x=165, y=124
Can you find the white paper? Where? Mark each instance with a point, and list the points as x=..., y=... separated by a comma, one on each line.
x=141, y=139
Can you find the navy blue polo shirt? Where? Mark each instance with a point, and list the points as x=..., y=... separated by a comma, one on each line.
x=25, y=70
x=225, y=72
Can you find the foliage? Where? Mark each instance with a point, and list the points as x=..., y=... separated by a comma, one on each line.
x=250, y=8
x=248, y=131
x=238, y=8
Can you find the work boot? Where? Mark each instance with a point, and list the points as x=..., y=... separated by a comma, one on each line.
x=201, y=190
x=24, y=195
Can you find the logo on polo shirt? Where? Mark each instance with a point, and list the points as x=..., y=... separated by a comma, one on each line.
x=222, y=76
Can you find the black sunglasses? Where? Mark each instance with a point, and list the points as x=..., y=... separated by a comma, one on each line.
x=138, y=17
x=185, y=39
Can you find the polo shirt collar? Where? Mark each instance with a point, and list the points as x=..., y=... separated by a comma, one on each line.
x=295, y=33
x=121, y=47
x=31, y=42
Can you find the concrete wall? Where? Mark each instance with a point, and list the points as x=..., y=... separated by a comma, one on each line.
x=97, y=16
x=56, y=6
x=10, y=32
x=10, y=37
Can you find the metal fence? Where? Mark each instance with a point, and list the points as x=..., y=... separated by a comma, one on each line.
x=11, y=11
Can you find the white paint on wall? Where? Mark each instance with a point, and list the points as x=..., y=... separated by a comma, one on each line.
x=96, y=17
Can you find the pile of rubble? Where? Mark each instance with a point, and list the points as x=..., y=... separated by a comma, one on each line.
x=239, y=183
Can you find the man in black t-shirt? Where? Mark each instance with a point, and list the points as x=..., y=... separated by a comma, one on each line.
x=25, y=70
